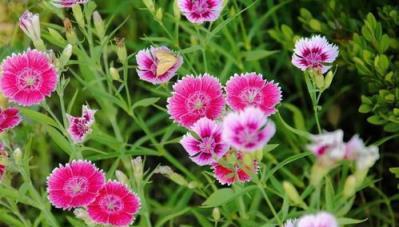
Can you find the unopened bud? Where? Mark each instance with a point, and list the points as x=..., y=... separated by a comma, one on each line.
x=360, y=175
x=65, y=56
x=159, y=15
x=30, y=24
x=17, y=156
x=121, y=177
x=70, y=32
x=318, y=172
x=328, y=79
x=121, y=49
x=99, y=25
x=349, y=187
x=319, y=80
x=138, y=169
x=78, y=15
x=150, y=5
x=114, y=74
x=292, y=194
x=178, y=179
x=216, y=214
x=176, y=10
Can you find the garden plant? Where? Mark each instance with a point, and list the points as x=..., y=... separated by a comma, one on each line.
x=199, y=113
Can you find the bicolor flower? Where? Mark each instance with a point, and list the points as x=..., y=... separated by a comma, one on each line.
x=204, y=144
x=328, y=146
x=28, y=78
x=250, y=89
x=30, y=25
x=232, y=168
x=248, y=130
x=115, y=205
x=67, y=3
x=194, y=98
x=314, y=53
x=80, y=127
x=74, y=185
x=200, y=11
x=157, y=65
x=9, y=118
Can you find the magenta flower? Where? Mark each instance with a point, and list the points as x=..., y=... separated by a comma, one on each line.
x=250, y=89
x=28, y=78
x=68, y=3
x=9, y=118
x=194, y=98
x=200, y=11
x=248, y=130
x=75, y=184
x=30, y=25
x=80, y=127
x=115, y=205
x=205, y=145
x=232, y=168
x=321, y=219
x=314, y=53
x=3, y=161
x=157, y=65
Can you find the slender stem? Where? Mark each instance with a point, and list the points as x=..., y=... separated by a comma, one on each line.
x=316, y=116
x=269, y=204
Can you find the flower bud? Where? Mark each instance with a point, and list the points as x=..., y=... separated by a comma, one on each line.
x=292, y=194
x=30, y=25
x=176, y=10
x=121, y=49
x=114, y=74
x=159, y=15
x=99, y=25
x=349, y=187
x=65, y=56
x=318, y=172
x=70, y=32
x=216, y=214
x=138, y=169
x=121, y=177
x=319, y=80
x=78, y=15
x=178, y=179
x=328, y=80
x=17, y=154
x=150, y=5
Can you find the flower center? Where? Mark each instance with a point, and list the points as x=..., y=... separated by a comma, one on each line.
x=251, y=95
x=197, y=103
x=28, y=79
x=76, y=186
x=200, y=6
x=314, y=57
x=207, y=145
x=111, y=204
x=247, y=136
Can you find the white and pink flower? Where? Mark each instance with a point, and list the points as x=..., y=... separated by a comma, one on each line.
x=67, y=3
x=30, y=24
x=80, y=127
x=248, y=130
x=200, y=11
x=204, y=144
x=314, y=53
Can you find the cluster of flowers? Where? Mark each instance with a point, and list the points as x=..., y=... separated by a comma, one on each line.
x=320, y=219
x=81, y=184
x=218, y=137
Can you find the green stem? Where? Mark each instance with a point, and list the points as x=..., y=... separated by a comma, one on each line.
x=269, y=203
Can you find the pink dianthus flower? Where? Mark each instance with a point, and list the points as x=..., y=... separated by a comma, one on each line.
x=80, y=127
x=194, y=98
x=27, y=78
x=200, y=11
x=250, y=89
x=74, y=185
x=115, y=205
x=9, y=118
